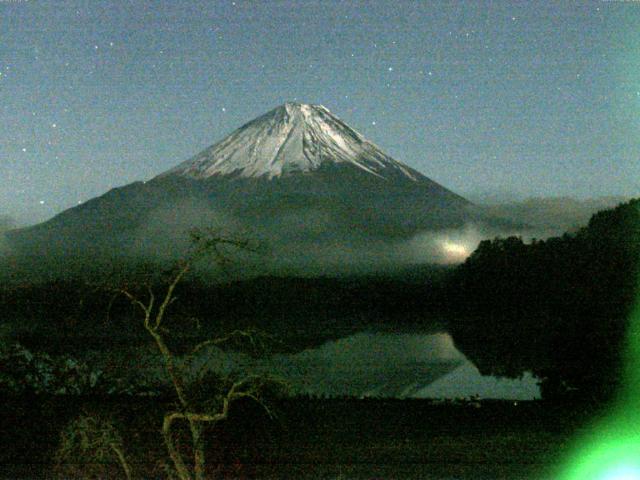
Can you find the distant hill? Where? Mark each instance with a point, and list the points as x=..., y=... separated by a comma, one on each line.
x=552, y=216
x=558, y=308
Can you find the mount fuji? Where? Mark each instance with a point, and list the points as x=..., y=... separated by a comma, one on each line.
x=297, y=179
x=293, y=138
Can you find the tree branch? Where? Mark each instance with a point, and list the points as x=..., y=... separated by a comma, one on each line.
x=169, y=295
x=174, y=454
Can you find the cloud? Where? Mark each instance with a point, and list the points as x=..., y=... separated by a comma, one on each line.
x=444, y=246
x=165, y=233
x=313, y=240
x=542, y=217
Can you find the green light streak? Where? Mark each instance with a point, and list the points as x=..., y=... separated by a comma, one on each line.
x=610, y=449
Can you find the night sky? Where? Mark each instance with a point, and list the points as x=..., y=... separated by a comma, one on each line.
x=508, y=98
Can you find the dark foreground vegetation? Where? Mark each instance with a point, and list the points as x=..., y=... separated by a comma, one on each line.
x=307, y=438
x=301, y=312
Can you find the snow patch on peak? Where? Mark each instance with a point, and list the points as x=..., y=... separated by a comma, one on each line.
x=294, y=137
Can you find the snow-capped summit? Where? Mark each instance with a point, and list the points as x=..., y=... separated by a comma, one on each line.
x=293, y=137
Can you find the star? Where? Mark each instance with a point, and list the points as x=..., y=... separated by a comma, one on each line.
x=54, y=125
x=24, y=149
x=224, y=109
x=373, y=123
x=41, y=202
x=391, y=69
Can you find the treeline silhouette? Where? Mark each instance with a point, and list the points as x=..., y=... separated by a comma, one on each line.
x=300, y=312
x=558, y=308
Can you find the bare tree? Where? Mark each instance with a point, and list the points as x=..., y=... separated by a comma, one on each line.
x=154, y=307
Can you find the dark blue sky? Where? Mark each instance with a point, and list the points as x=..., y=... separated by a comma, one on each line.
x=529, y=98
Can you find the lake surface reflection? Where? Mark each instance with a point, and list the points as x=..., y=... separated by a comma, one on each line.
x=395, y=365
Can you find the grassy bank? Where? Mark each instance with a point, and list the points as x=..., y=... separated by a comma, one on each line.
x=312, y=438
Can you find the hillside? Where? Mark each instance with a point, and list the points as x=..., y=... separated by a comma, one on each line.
x=558, y=308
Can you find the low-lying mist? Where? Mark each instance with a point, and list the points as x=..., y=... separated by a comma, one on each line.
x=315, y=240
